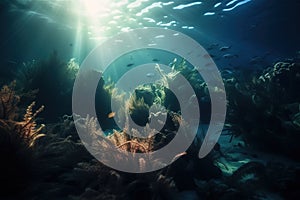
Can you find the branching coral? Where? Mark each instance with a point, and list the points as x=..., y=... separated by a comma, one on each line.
x=123, y=140
x=27, y=129
x=16, y=140
x=132, y=144
x=125, y=144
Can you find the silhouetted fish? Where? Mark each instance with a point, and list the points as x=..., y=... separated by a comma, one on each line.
x=12, y=62
x=130, y=64
x=224, y=48
x=256, y=60
x=155, y=60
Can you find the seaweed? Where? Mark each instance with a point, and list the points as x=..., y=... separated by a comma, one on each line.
x=17, y=139
x=8, y=102
x=248, y=176
x=264, y=110
x=51, y=77
x=139, y=110
x=26, y=129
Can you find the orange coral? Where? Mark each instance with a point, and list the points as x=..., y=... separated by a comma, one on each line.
x=25, y=130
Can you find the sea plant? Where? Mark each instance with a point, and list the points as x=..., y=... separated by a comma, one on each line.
x=51, y=77
x=17, y=139
x=260, y=113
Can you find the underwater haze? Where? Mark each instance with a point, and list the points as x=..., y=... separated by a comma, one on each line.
x=144, y=99
x=268, y=29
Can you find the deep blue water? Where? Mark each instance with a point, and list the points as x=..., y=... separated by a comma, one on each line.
x=267, y=30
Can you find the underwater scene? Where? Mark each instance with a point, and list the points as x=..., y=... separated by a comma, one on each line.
x=145, y=99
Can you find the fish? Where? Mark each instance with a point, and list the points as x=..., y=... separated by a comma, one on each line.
x=150, y=75
x=227, y=56
x=155, y=60
x=130, y=64
x=111, y=115
x=256, y=60
x=179, y=155
x=227, y=71
x=12, y=62
x=224, y=48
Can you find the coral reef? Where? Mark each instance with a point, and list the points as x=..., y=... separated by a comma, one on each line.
x=125, y=141
x=265, y=109
x=56, y=165
x=17, y=138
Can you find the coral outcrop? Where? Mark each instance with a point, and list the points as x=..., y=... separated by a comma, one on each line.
x=264, y=109
x=17, y=138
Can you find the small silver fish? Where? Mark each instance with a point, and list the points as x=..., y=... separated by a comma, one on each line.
x=224, y=48
x=150, y=75
x=256, y=59
x=227, y=71
x=230, y=56
x=12, y=62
